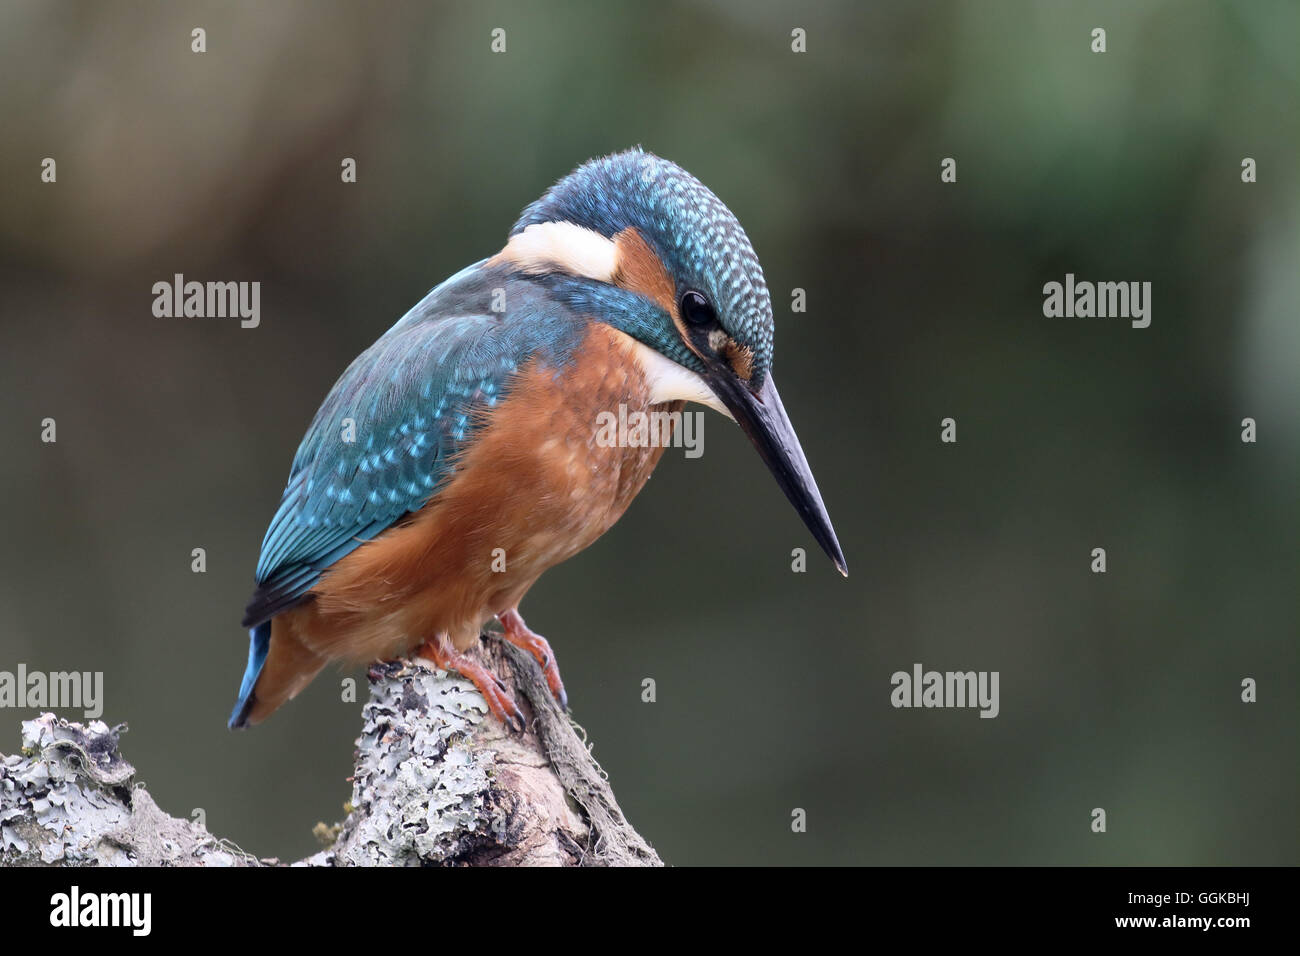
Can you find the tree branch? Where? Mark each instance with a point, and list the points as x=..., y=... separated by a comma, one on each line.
x=437, y=781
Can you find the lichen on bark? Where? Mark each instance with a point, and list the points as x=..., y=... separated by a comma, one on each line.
x=437, y=782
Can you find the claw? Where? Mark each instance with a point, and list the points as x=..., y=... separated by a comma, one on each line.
x=494, y=691
x=518, y=634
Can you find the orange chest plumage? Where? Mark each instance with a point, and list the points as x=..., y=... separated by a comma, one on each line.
x=542, y=481
x=545, y=479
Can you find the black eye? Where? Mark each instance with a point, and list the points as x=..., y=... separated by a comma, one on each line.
x=696, y=309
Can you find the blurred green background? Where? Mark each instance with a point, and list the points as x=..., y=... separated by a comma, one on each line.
x=1118, y=691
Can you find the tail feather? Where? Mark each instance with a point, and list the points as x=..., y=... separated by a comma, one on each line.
x=259, y=643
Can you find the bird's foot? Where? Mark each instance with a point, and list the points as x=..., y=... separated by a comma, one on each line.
x=498, y=697
x=518, y=634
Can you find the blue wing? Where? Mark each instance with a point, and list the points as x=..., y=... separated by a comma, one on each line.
x=386, y=437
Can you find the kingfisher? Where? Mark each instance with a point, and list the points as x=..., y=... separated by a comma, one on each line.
x=457, y=458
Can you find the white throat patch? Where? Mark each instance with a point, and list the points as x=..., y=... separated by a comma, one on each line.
x=670, y=382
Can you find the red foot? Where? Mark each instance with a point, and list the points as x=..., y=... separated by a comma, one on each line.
x=518, y=634
x=489, y=685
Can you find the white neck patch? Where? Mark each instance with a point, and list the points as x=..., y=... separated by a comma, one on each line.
x=563, y=246
x=670, y=382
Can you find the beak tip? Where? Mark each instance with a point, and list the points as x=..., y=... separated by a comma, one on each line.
x=837, y=557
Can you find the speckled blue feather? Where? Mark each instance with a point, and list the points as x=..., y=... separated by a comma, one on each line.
x=411, y=399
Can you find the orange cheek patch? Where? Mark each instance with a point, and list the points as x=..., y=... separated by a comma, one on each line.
x=638, y=269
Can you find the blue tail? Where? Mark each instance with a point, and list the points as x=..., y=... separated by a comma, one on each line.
x=259, y=642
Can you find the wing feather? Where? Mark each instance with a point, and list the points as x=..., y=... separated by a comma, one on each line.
x=411, y=400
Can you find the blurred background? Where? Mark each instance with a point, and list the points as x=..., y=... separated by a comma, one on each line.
x=924, y=301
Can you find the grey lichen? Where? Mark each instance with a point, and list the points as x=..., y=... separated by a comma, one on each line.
x=437, y=782
x=428, y=782
x=69, y=798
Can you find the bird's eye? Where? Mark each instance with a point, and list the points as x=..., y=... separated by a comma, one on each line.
x=696, y=309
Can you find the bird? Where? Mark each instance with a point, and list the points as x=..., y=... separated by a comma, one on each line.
x=456, y=460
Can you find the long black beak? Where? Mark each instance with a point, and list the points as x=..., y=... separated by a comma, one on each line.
x=764, y=420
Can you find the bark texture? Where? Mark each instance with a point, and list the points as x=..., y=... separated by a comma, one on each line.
x=438, y=781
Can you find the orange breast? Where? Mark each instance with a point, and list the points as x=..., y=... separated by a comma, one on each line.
x=537, y=486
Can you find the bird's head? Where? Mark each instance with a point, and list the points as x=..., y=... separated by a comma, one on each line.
x=639, y=224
